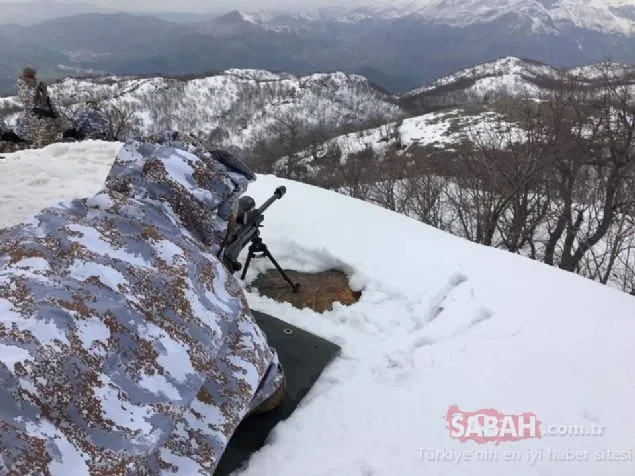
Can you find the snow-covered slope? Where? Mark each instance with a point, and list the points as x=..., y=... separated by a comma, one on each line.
x=237, y=105
x=508, y=74
x=545, y=16
x=439, y=130
x=509, y=77
x=441, y=323
x=610, y=16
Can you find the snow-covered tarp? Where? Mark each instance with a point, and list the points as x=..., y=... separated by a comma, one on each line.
x=125, y=346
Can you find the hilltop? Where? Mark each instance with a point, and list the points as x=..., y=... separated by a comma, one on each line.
x=438, y=316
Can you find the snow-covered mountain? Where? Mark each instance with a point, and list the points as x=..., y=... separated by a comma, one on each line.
x=444, y=328
x=398, y=44
x=542, y=16
x=438, y=35
x=440, y=131
x=509, y=77
x=506, y=75
x=235, y=107
x=238, y=108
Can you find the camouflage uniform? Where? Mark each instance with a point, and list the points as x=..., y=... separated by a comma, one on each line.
x=126, y=348
x=42, y=131
x=21, y=128
x=92, y=123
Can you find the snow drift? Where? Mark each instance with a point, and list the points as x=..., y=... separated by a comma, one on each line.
x=442, y=322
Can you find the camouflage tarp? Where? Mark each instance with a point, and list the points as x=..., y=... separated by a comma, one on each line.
x=125, y=346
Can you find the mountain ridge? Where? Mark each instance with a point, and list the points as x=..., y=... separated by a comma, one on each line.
x=235, y=108
x=479, y=83
x=610, y=16
x=397, y=45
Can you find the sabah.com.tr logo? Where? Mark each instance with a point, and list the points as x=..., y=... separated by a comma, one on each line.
x=489, y=425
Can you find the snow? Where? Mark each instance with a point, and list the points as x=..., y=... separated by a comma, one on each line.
x=238, y=103
x=427, y=129
x=441, y=322
x=444, y=130
x=66, y=169
x=515, y=77
x=546, y=17
x=511, y=74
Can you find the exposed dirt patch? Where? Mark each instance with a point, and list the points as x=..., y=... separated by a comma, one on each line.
x=318, y=291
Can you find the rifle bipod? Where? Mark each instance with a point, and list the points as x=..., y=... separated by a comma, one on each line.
x=258, y=246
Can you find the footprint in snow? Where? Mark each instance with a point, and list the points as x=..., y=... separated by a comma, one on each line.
x=426, y=338
x=482, y=315
x=394, y=366
x=461, y=312
x=438, y=303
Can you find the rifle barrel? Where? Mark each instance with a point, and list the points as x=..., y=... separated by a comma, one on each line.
x=279, y=193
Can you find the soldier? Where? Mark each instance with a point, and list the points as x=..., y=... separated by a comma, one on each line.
x=127, y=348
x=21, y=128
x=43, y=123
x=91, y=122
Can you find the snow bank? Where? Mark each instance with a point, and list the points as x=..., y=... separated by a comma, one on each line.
x=441, y=322
x=33, y=179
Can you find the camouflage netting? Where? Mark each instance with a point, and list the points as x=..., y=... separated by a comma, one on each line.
x=125, y=346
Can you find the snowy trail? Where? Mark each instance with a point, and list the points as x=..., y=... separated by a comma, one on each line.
x=441, y=322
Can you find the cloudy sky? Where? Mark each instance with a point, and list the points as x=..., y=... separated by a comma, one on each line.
x=211, y=5
x=206, y=5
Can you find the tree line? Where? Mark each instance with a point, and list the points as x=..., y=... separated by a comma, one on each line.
x=555, y=184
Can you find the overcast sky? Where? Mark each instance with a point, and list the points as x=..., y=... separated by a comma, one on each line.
x=212, y=5
x=207, y=5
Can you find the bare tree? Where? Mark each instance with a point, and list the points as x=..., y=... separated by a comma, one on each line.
x=426, y=190
x=593, y=159
x=356, y=174
x=122, y=120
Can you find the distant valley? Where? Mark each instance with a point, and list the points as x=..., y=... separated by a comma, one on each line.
x=398, y=46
